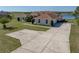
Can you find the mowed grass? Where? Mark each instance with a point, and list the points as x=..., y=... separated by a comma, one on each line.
x=74, y=36
x=8, y=44
x=72, y=21
x=20, y=25
x=74, y=39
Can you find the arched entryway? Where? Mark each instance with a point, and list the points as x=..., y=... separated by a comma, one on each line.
x=52, y=23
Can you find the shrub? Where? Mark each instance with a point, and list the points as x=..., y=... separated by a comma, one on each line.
x=5, y=19
x=29, y=18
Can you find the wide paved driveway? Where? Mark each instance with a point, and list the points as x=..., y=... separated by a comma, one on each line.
x=56, y=39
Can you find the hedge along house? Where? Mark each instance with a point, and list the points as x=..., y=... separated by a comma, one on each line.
x=46, y=18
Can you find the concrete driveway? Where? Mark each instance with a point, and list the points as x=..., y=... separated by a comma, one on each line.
x=54, y=40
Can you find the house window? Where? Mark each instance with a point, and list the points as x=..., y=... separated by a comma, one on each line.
x=46, y=21
x=38, y=20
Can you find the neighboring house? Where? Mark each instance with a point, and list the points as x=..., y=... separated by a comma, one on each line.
x=20, y=16
x=47, y=18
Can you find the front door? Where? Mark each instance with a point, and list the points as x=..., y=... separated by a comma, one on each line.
x=52, y=23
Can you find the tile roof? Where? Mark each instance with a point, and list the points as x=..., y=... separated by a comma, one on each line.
x=20, y=15
x=35, y=14
x=43, y=16
x=47, y=15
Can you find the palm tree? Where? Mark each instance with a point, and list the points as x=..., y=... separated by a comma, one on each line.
x=5, y=19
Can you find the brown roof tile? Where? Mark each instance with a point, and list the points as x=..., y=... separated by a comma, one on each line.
x=43, y=16
x=47, y=15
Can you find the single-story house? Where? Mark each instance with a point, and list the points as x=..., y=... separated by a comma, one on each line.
x=41, y=17
x=20, y=16
x=47, y=18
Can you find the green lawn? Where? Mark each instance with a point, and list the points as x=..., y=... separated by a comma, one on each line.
x=74, y=36
x=72, y=21
x=8, y=44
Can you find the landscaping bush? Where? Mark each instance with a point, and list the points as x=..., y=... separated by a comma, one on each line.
x=4, y=19
x=29, y=19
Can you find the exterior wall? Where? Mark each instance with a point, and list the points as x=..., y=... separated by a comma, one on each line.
x=21, y=18
x=43, y=22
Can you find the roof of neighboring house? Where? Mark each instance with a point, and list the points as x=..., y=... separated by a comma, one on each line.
x=20, y=15
x=34, y=14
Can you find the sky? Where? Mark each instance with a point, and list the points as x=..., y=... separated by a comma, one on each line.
x=37, y=8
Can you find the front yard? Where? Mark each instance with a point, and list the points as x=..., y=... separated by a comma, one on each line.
x=8, y=44
x=74, y=37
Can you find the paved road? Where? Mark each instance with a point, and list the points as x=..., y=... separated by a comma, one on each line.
x=55, y=40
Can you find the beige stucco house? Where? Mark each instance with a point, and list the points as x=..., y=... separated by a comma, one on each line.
x=47, y=18
x=42, y=17
x=20, y=16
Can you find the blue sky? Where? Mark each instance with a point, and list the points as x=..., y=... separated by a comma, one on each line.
x=37, y=8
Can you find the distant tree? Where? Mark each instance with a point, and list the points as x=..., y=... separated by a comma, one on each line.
x=27, y=12
x=5, y=19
